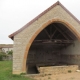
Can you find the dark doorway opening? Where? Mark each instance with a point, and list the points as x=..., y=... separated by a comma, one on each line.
x=32, y=69
x=46, y=49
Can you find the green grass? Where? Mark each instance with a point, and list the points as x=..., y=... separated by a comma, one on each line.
x=6, y=72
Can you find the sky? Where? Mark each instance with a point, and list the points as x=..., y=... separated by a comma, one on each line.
x=14, y=14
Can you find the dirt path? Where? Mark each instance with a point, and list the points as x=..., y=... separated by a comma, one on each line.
x=67, y=76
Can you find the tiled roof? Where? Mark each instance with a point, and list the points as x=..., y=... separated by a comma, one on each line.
x=6, y=45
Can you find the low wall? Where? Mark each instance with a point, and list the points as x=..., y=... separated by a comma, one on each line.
x=57, y=69
x=71, y=54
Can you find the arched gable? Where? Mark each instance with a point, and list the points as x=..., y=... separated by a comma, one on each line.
x=71, y=28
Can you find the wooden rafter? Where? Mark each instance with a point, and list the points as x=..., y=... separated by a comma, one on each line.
x=50, y=30
x=48, y=44
x=61, y=32
x=58, y=35
x=53, y=41
x=47, y=33
x=53, y=33
x=65, y=32
x=70, y=36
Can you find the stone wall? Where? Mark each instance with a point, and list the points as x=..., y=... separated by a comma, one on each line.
x=58, y=69
x=71, y=54
x=24, y=39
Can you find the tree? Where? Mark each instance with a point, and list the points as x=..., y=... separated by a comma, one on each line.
x=10, y=52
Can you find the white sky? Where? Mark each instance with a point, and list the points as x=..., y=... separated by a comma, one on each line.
x=14, y=14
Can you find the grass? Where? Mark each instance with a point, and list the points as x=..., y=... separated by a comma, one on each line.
x=6, y=72
x=69, y=71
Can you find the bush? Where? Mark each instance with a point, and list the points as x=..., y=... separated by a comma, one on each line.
x=10, y=52
x=22, y=73
x=69, y=71
x=2, y=54
x=0, y=57
x=15, y=75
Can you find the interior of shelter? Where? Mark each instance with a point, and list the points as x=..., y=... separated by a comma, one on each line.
x=53, y=46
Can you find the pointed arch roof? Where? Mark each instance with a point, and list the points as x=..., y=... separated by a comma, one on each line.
x=33, y=20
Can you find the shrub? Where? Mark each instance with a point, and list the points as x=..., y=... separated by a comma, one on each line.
x=2, y=54
x=0, y=57
x=49, y=77
x=22, y=73
x=10, y=52
x=15, y=75
x=69, y=71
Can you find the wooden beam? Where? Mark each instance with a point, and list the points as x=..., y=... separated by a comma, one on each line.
x=53, y=34
x=48, y=44
x=71, y=37
x=62, y=41
x=47, y=33
x=65, y=32
x=50, y=30
x=58, y=35
x=53, y=41
x=61, y=32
